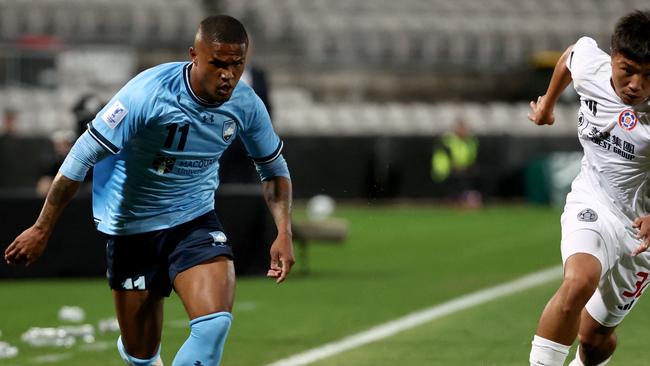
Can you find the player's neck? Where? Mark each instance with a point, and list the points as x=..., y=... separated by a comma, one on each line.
x=611, y=84
x=197, y=90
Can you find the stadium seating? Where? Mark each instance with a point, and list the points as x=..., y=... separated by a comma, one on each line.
x=420, y=35
x=297, y=115
x=143, y=22
x=483, y=35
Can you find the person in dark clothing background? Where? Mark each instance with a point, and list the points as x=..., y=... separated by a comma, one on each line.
x=235, y=160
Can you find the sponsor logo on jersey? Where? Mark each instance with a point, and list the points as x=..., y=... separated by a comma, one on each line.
x=207, y=119
x=163, y=164
x=115, y=114
x=627, y=119
x=200, y=164
x=598, y=136
x=587, y=215
x=229, y=129
x=614, y=143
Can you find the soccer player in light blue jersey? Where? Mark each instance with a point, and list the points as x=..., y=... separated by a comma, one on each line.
x=155, y=149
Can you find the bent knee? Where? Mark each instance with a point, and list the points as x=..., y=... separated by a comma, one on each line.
x=583, y=270
x=581, y=285
x=576, y=291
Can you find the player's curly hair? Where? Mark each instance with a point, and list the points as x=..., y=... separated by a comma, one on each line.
x=631, y=36
x=223, y=29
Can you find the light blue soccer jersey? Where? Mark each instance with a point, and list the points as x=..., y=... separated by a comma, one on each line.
x=165, y=145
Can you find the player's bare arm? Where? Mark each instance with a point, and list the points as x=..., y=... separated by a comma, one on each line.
x=30, y=244
x=277, y=193
x=542, y=110
x=642, y=224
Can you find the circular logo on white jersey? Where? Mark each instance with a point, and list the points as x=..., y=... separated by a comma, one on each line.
x=627, y=119
x=587, y=215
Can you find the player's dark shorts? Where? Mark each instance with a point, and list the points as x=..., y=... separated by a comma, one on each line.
x=151, y=260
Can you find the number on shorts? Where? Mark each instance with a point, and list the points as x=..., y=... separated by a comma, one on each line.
x=134, y=283
x=640, y=286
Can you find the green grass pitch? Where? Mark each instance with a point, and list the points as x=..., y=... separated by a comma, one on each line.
x=397, y=259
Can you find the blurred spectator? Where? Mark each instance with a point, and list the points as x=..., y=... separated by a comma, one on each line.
x=454, y=164
x=62, y=142
x=9, y=118
x=255, y=76
x=85, y=110
x=235, y=160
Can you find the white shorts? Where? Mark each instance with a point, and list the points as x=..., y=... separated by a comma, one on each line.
x=590, y=227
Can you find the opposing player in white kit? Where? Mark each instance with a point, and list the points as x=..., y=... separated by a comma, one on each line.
x=606, y=220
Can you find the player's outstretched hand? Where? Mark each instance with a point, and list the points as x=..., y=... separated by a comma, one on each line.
x=643, y=225
x=27, y=247
x=540, y=113
x=282, y=258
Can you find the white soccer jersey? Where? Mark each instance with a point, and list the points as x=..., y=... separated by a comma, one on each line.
x=615, y=138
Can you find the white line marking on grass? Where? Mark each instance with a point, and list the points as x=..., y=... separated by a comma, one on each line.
x=245, y=306
x=420, y=317
x=57, y=357
x=51, y=358
x=97, y=346
x=179, y=323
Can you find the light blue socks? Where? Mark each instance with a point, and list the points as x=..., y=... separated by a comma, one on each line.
x=204, y=346
x=132, y=361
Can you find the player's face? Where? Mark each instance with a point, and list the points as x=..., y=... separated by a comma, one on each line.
x=631, y=79
x=216, y=69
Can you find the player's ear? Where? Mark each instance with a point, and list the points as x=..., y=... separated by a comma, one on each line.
x=193, y=55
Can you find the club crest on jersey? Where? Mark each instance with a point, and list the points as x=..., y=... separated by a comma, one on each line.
x=627, y=119
x=229, y=129
x=587, y=215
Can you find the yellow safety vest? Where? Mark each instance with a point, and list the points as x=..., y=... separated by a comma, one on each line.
x=455, y=153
